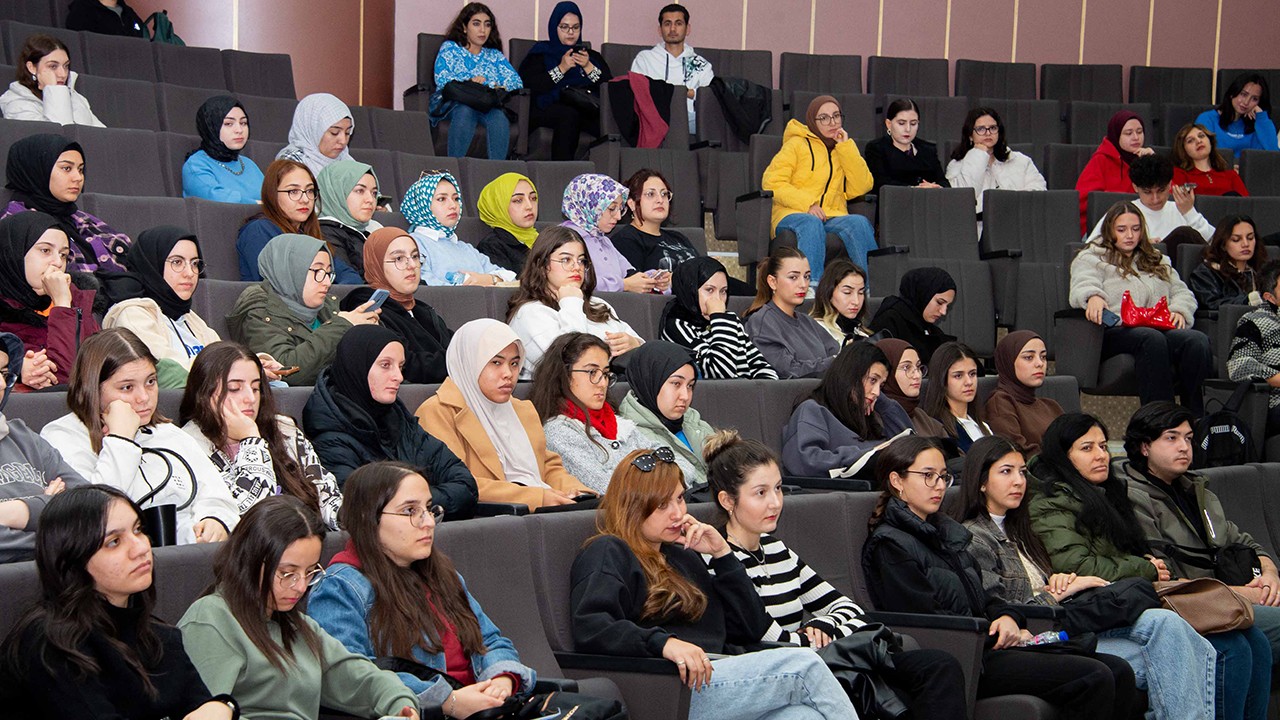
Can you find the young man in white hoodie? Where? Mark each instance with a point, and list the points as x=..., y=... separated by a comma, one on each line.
x=672, y=60
x=1172, y=223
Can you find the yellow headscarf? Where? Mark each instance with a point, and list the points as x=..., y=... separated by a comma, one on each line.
x=494, y=200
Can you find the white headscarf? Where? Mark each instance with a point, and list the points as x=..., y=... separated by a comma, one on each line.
x=315, y=114
x=472, y=347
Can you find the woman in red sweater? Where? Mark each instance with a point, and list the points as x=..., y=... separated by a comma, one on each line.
x=1108, y=169
x=1196, y=160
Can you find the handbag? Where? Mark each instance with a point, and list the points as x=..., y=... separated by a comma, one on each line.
x=1157, y=316
x=1111, y=606
x=857, y=660
x=582, y=99
x=1233, y=564
x=1207, y=604
x=474, y=95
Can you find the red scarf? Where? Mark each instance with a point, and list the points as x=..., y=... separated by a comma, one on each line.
x=603, y=420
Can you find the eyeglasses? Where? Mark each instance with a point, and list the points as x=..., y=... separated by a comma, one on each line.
x=404, y=262
x=829, y=119
x=178, y=264
x=569, y=28
x=651, y=194
x=320, y=274
x=987, y=130
x=311, y=577
x=418, y=514
x=914, y=369
x=568, y=262
x=932, y=479
x=295, y=194
x=612, y=210
x=648, y=461
x=594, y=375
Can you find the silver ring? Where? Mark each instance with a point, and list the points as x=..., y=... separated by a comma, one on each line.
x=680, y=662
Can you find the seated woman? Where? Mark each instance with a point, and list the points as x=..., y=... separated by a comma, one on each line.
x=901, y=158
x=218, y=170
x=793, y=343
x=290, y=314
x=593, y=205
x=45, y=88
x=321, y=130
x=1230, y=272
x=746, y=481
x=1124, y=261
x=433, y=207
x=1085, y=519
x=1012, y=410
x=660, y=403
x=924, y=297
x=813, y=178
x=229, y=411
x=640, y=589
x=499, y=438
x=1242, y=118
x=1196, y=160
x=90, y=646
x=289, y=206
x=509, y=206
x=565, y=76
x=391, y=263
x=696, y=318
x=46, y=174
x=983, y=160
x=353, y=417
x=643, y=241
x=1108, y=168
x=839, y=303
x=348, y=197
x=845, y=417
x=248, y=637
x=903, y=386
x=915, y=562
x=38, y=301
x=114, y=436
x=556, y=297
x=949, y=397
x=472, y=52
x=1170, y=660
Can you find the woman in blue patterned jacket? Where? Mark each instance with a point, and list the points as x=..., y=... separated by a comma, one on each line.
x=472, y=52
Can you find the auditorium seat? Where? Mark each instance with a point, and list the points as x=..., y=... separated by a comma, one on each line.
x=753, y=65
x=636, y=310
x=391, y=219
x=399, y=130
x=118, y=57
x=409, y=168
x=262, y=152
x=1100, y=202
x=1243, y=491
x=980, y=79
x=189, y=66
x=1173, y=116
x=1265, y=211
x=681, y=171
x=973, y=316
x=120, y=161
x=16, y=34
x=1090, y=83
x=214, y=299
x=1160, y=85
x=551, y=178
x=179, y=104
x=218, y=225
x=12, y=131
x=254, y=73
x=460, y=305
x=1028, y=121
x=1063, y=164
x=909, y=77
x=861, y=118
x=1087, y=121
x=121, y=103
x=819, y=75
x=1260, y=171
x=477, y=173
x=269, y=117
x=131, y=215
x=34, y=12
x=173, y=149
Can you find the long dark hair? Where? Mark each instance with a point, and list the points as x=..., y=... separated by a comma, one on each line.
x=840, y=390
x=982, y=456
x=934, y=401
x=535, y=287
x=400, y=618
x=898, y=458
x=202, y=401
x=1216, y=257
x=72, y=529
x=832, y=275
x=1001, y=149
x=457, y=32
x=1183, y=160
x=635, y=189
x=244, y=573
x=771, y=266
x=551, y=389
x=1108, y=514
x=1227, y=112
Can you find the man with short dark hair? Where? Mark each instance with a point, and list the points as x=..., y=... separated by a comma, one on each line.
x=1255, y=347
x=672, y=60
x=1152, y=179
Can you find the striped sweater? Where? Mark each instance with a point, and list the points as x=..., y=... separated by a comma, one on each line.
x=792, y=591
x=1255, y=349
x=722, y=350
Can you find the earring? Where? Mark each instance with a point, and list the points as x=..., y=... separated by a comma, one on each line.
x=33, y=78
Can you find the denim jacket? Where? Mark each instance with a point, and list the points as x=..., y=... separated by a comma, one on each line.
x=341, y=606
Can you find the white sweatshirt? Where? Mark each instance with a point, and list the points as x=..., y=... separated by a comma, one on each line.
x=974, y=171
x=60, y=104
x=538, y=326
x=690, y=70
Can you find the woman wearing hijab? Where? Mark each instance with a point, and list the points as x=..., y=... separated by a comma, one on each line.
x=812, y=178
x=46, y=173
x=217, y=170
x=903, y=386
x=433, y=207
x=509, y=206
x=348, y=197
x=499, y=438
x=321, y=130
x=391, y=262
x=696, y=318
x=924, y=297
x=38, y=301
x=290, y=314
x=660, y=402
x=1108, y=169
x=354, y=418
x=565, y=77
x=593, y=205
x=1012, y=410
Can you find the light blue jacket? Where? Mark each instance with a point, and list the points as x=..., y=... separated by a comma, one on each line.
x=204, y=177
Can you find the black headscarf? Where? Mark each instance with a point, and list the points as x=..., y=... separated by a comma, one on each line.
x=357, y=351
x=920, y=285
x=209, y=124
x=648, y=368
x=29, y=168
x=18, y=233
x=146, y=261
x=686, y=279
x=552, y=50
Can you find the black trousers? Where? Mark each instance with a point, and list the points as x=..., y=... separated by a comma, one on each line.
x=930, y=682
x=1098, y=688
x=566, y=125
x=1159, y=353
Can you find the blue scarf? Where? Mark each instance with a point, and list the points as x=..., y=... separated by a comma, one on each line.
x=553, y=50
x=416, y=206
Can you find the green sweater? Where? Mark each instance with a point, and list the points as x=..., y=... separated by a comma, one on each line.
x=229, y=661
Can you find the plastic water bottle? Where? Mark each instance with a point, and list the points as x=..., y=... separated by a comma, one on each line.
x=1045, y=638
x=455, y=277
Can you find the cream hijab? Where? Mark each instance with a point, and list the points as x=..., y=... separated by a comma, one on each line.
x=472, y=347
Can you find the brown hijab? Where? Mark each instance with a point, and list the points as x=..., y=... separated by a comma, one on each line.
x=893, y=350
x=1007, y=351
x=811, y=118
x=375, y=255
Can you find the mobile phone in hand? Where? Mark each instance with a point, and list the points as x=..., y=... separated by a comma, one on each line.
x=379, y=296
x=286, y=372
x=1110, y=319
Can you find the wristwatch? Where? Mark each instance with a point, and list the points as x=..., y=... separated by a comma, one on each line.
x=229, y=702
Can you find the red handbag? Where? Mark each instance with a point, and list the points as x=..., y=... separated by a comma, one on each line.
x=1157, y=317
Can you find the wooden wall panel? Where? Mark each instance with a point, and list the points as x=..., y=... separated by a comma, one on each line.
x=846, y=27
x=982, y=30
x=1049, y=31
x=914, y=28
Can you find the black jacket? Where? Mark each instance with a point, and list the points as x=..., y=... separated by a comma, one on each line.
x=93, y=16
x=504, y=249
x=891, y=166
x=423, y=332
x=535, y=76
x=347, y=437
x=347, y=243
x=906, y=323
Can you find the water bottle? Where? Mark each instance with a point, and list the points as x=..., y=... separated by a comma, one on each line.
x=1045, y=638
x=455, y=277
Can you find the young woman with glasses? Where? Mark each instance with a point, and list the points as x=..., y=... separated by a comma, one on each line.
x=983, y=160
x=556, y=297
x=643, y=240
x=1012, y=410
x=905, y=383
x=248, y=637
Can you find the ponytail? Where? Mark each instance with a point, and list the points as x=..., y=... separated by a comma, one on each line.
x=771, y=266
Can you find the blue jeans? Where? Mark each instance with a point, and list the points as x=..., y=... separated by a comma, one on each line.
x=811, y=237
x=1267, y=619
x=1245, y=684
x=1171, y=661
x=778, y=684
x=464, y=120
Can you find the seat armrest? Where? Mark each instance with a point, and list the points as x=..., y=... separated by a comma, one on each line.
x=889, y=250
x=827, y=483
x=936, y=622
x=608, y=138
x=704, y=145
x=617, y=663
x=754, y=195
x=546, y=685
x=492, y=509
x=999, y=254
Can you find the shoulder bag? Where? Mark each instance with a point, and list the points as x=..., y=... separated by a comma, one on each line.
x=1207, y=604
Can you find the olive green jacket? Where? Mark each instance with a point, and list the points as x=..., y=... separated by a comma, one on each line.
x=263, y=322
x=1053, y=517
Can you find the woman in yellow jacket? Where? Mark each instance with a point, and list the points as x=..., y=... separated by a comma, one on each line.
x=812, y=178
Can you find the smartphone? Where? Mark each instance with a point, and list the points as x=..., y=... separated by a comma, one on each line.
x=379, y=296
x=580, y=47
x=1110, y=319
x=583, y=497
x=285, y=372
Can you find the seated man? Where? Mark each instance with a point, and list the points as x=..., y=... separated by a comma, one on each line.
x=1255, y=347
x=672, y=60
x=1152, y=178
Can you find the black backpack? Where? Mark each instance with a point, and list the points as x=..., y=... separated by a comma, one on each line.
x=1223, y=438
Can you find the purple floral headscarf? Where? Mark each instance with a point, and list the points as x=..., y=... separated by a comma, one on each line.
x=585, y=200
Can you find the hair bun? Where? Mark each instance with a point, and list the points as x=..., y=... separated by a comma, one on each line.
x=720, y=441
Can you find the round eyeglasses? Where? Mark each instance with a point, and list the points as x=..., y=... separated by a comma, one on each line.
x=418, y=514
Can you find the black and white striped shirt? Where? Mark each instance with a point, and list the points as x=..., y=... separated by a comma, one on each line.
x=722, y=350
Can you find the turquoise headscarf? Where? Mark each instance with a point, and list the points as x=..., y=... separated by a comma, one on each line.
x=416, y=206
x=284, y=263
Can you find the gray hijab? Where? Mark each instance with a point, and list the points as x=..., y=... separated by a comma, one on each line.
x=285, y=263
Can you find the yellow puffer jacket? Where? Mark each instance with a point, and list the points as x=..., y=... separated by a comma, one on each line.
x=804, y=172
